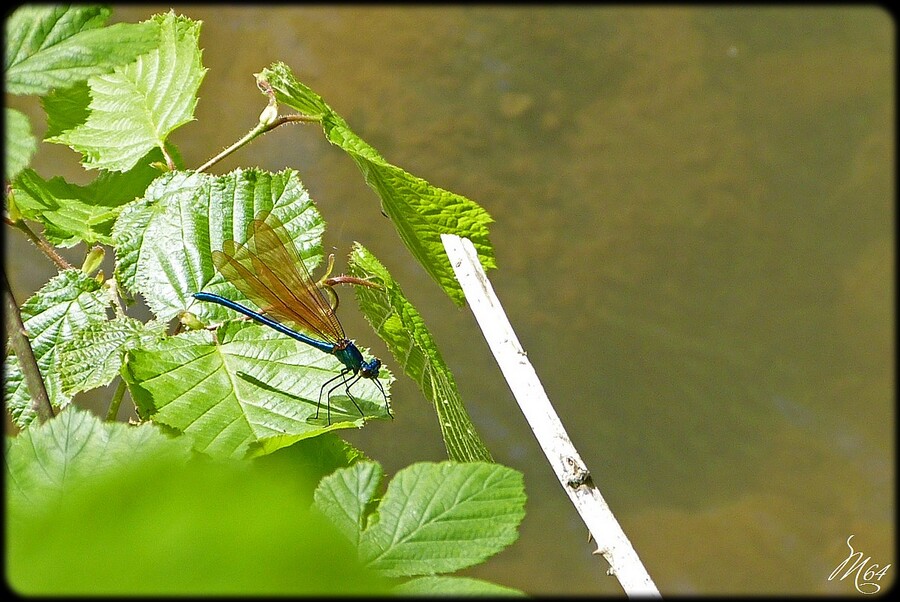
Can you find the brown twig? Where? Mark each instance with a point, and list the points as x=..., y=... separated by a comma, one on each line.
x=21, y=346
x=45, y=247
x=335, y=280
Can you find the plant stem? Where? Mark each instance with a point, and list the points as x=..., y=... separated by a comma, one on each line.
x=335, y=280
x=170, y=163
x=18, y=338
x=45, y=247
x=116, y=402
x=258, y=130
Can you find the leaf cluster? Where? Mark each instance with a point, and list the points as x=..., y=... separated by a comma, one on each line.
x=208, y=387
x=128, y=511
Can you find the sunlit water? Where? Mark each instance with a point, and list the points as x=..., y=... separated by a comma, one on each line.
x=694, y=228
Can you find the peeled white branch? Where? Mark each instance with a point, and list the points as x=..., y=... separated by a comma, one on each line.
x=571, y=471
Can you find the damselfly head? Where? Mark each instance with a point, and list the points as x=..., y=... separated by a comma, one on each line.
x=370, y=369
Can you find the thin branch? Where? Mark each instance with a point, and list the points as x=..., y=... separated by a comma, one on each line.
x=258, y=130
x=21, y=346
x=45, y=247
x=571, y=471
x=342, y=279
x=170, y=162
x=116, y=402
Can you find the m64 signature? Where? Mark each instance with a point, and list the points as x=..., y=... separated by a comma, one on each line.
x=866, y=572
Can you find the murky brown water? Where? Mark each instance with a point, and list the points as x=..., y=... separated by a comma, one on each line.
x=694, y=227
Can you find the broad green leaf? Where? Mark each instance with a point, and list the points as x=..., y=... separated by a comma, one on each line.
x=51, y=46
x=434, y=517
x=71, y=213
x=344, y=495
x=128, y=238
x=73, y=448
x=69, y=108
x=133, y=516
x=70, y=302
x=92, y=358
x=250, y=392
x=400, y=326
x=317, y=457
x=164, y=241
x=444, y=585
x=20, y=143
x=439, y=518
x=66, y=108
x=420, y=211
x=134, y=108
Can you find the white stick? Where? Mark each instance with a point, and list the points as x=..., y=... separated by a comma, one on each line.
x=572, y=473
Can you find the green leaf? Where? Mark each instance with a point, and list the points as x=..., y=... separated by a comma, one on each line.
x=251, y=392
x=444, y=585
x=73, y=448
x=55, y=46
x=317, y=457
x=20, y=143
x=134, y=109
x=92, y=358
x=438, y=518
x=434, y=517
x=401, y=327
x=128, y=239
x=66, y=108
x=420, y=211
x=117, y=510
x=71, y=213
x=343, y=496
x=164, y=241
x=70, y=302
